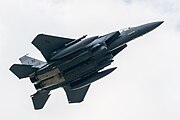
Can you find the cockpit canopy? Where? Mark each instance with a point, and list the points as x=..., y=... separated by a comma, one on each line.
x=124, y=29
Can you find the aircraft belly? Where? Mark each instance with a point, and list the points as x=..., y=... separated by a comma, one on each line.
x=48, y=74
x=53, y=81
x=75, y=61
x=80, y=71
x=49, y=79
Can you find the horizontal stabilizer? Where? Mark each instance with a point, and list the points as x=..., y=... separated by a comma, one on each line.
x=22, y=71
x=39, y=99
x=48, y=44
x=76, y=96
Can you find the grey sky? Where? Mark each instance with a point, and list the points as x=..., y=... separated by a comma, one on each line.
x=144, y=87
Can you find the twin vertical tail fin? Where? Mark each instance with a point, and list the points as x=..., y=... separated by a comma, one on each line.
x=29, y=66
x=26, y=60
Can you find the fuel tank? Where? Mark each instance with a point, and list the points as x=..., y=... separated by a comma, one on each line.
x=73, y=48
x=88, y=80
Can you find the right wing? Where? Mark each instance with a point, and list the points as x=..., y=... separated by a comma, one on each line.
x=76, y=96
x=40, y=98
x=48, y=44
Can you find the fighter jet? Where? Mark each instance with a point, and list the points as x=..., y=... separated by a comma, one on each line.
x=74, y=64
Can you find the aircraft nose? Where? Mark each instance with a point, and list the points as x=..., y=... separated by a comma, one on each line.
x=150, y=26
x=154, y=25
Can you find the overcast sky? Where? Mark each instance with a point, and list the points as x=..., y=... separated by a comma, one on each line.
x=144, y=87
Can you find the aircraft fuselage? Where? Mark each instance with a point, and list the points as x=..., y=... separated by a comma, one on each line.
x=74, y=64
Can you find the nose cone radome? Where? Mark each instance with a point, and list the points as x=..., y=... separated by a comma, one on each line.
x=150, y=26
x=154, y=25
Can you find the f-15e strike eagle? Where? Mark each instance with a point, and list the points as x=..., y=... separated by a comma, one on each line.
x=74, y=63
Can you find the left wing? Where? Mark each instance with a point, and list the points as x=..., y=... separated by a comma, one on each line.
x=48, y=44
x=76, y=96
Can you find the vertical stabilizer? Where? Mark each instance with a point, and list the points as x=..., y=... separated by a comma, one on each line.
x=31, y=61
